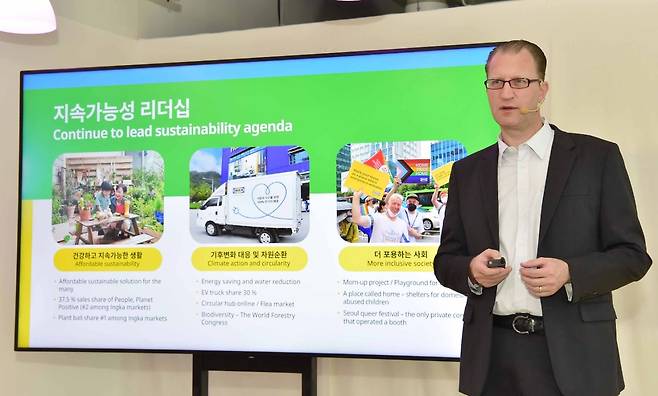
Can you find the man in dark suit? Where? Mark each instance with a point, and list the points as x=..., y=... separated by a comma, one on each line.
x=559, y=208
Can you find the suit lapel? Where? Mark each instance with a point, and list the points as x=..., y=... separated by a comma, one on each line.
x=488, y=173
x=562, y=158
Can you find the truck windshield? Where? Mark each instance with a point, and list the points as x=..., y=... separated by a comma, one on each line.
x=210, y=202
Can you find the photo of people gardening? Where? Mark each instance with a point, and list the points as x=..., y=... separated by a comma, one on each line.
x=108, y=198
x=394, y=192
x=249, y=194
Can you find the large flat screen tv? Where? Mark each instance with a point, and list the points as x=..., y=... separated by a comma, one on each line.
x=209, y=206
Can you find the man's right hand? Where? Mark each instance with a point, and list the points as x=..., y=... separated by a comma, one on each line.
x=483, y=275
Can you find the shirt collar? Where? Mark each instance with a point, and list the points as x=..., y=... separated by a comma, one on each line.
x=540, y=142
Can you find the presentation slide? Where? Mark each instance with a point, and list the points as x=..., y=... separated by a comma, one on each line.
x=287, y=205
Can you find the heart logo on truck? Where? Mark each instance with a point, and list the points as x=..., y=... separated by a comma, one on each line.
x=268, y=198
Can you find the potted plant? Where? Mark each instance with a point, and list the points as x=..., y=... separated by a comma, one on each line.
x=73, y=202
x=70, y=211
x=84, y=206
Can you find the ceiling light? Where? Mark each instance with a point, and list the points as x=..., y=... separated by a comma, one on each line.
x=27, y=16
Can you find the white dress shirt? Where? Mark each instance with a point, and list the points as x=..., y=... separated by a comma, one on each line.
x=521, y=180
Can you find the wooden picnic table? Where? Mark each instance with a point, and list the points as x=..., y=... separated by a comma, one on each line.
x=84, y=230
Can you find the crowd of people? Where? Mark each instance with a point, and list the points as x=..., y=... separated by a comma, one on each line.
x=393, y=219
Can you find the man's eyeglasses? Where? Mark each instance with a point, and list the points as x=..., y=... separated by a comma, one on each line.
x=515, y=83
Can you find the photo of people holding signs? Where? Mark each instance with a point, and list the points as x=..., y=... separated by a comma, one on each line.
x=394, y=192
x=249, y=194
x=108, y=198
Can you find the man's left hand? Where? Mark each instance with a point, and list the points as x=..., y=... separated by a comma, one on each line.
x=544, y=276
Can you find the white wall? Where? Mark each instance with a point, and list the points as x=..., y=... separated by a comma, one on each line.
x=603, y=59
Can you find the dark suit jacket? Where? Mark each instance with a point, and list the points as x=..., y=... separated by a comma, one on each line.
x=589, y=220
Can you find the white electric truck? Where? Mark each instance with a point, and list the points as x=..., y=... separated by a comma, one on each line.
x=266, y=207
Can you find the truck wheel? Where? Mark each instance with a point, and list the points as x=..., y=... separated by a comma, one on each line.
x=211, y=228
x=427, y=224
x=266, y=237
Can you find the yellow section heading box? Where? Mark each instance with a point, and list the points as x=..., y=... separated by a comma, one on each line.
x=108, y=259
x=249, y=259
x=387, y=259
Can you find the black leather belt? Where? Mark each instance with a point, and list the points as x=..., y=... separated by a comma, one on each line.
x=521, y=323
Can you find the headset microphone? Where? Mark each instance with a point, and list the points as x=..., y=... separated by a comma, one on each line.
x=525, y=110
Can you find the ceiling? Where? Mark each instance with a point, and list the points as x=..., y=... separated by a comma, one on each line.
x=143, y=19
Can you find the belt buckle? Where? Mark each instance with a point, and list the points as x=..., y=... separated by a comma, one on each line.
x=531, y=324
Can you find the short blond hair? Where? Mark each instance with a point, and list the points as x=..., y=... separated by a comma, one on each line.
x=396, y=196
